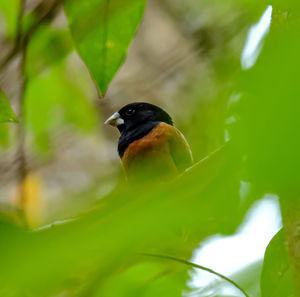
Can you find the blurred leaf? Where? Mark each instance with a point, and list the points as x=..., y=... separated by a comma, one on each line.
x=4, y=135
x=277, y=278
x=102, y=31
x=266, y=124
x=9, y=9
x=52, y=101
x=6, y=113
x=46, y=47
x=145, y=279
x=167, y=219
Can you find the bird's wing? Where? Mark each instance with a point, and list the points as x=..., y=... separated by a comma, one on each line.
x=179, y=149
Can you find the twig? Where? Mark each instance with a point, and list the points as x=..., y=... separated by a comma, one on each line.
x=21, y=169
x=199, y=267
x=55, y=224
x=199, y=163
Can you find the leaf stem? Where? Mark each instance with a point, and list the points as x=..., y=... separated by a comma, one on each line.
x=199, y=267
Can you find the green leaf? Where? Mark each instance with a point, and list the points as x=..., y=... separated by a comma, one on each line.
x=47, y=47
x=6, y=113
x=145, y=279
x=166, y=219
x=266, y=127
x=53, y=100
x=9, y=11
x=102, y=31
x=276, y=278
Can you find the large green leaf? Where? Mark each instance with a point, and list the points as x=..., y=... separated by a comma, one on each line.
x=277, y=278
x=102, y=31
x=266, y=124
x=6, y=113
x=96, y=251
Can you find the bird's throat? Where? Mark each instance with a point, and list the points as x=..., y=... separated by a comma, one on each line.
x=129, y=136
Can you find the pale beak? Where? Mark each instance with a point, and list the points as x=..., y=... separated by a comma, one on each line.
x=114, y=120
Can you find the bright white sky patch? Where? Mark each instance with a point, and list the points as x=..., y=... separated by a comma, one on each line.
x=255, y=38
x=229, y=254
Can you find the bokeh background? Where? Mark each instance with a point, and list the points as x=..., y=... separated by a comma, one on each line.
x=182, y=58
x=61, y=177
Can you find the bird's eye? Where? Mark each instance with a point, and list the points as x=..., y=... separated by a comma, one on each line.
x=130, y=112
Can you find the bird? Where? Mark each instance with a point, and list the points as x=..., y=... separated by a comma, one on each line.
x=151, y=148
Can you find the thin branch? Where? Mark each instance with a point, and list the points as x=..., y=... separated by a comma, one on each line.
x=199, y=267
x=19, y=24
x=55, y=224
x=43, y=14
x=199, y=163
x=21, y=169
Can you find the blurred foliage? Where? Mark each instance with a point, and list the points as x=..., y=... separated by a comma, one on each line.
x=97, y=238
x=47, y=48
x=267, y=123
x=59, y=102
x=100, y=252
x=4, y=135
x=9, y=11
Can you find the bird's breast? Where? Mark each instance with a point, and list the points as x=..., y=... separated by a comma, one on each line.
x=149, y=157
